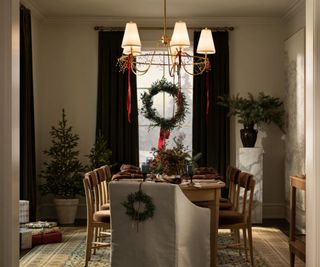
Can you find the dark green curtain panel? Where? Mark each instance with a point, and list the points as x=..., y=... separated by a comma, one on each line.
x=211, y=136
x=112, y=120
x=28, y=186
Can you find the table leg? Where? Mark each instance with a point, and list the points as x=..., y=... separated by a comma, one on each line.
x=214, y=207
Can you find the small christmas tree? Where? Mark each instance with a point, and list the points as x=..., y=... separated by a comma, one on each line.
x=100, y=154
x=63, y=173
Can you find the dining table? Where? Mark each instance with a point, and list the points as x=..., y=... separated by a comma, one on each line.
x=207, y=193
x=204, y=193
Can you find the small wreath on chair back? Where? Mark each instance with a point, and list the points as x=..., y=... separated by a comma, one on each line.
x=153, y=115
x=140, y=198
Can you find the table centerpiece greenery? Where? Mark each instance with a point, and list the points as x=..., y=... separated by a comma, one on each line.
x=172, y=161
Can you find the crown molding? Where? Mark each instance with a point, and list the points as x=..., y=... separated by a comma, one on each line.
x=156, y=21
x=35, y=10
x=293, y=9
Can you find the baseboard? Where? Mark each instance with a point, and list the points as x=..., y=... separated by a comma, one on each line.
x=275, y=210
x=47, y=211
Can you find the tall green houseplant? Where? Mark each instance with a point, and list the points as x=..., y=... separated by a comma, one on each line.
x=63, y=171
x=264, y=109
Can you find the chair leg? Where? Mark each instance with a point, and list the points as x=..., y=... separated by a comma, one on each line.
x=244, y=231
x=238, y=240
x=96, y=234
x=89, y=243
x=292, y=255
x=250, y=244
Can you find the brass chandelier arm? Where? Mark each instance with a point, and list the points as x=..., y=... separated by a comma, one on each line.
x=199, y=63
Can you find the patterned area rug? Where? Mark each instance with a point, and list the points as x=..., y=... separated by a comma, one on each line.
x=270, y=249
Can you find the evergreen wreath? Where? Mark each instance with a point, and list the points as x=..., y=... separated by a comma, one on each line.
x=153, y=115
x=136, y=214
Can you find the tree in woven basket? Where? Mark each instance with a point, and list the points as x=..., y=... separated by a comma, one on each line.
x=63, y=171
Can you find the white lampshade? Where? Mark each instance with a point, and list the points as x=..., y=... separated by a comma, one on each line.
x=131, y=36
x=206, y=44
x=180, y=36
x=134, y=50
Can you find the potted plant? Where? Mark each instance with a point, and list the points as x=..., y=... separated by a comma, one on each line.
x=252, y=111
x=63, y=171
x=100, y=154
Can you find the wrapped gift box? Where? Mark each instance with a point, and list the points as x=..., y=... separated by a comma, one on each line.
x=23, y=211
x=25, y=238
x=44, y=232
x=36, y=231
x=40, y=225
x=46, y=238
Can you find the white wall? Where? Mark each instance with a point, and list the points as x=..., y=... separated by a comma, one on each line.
x=67, y=77
x=9, y=133
x=256, y=64
x=295, y=143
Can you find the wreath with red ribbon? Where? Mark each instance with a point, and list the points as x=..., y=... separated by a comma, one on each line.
x=153, y=115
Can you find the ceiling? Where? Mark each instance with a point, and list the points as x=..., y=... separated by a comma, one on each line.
x=154, y=8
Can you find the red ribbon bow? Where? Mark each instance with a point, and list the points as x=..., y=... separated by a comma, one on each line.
x=164, y=134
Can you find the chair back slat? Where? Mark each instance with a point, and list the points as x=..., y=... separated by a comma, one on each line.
x=108, y=176
x=107, y=171
x=244, y=182
x=251, y=187
x=232, y=176
x=94, y=189
x=88, y=189
x=101, y=175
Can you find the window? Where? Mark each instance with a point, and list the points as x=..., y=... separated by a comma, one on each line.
x=148, y=137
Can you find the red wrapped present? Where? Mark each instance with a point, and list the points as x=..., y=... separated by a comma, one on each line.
x=46, y=238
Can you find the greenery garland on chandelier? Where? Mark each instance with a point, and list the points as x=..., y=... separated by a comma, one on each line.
x=153, y=115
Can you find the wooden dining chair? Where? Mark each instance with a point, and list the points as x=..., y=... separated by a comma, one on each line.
x=103, y=175
x=240, y=219
x=230, y=203
x=96, y=219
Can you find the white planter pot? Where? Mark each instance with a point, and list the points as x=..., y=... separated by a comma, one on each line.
x=66, y=210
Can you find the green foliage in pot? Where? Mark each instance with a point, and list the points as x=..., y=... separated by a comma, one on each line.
x=63, y=171
x=100, y=154
x=264, y=109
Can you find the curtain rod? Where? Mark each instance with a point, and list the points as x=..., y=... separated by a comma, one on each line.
x=214, y=29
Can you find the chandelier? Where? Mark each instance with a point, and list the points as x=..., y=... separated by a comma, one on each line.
x=175, y=51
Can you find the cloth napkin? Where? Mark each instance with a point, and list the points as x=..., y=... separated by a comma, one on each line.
x=130, y=168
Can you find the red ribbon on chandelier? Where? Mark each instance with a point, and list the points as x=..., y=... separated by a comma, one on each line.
x=129, y=88
x=164, y=134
